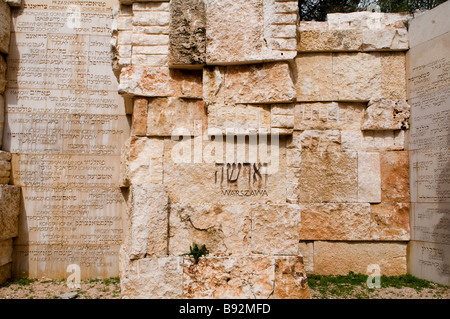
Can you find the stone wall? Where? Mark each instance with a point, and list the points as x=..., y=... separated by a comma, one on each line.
x=429, y=145
x=9, y=194
x=333, y=197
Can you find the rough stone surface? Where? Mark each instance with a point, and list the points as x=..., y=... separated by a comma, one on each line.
x=330, y=40
x=2, y=74
x=10, y=198
x=369, y=141
x=339, y=258
x=367, y=20
x=14, y=3
x=393, y=65
x=165, y=115
x=153, y=278
x=320, y=140
x=328, y=116
x=149, y=213
x=395, y=176
x=328, y=177
x=5, y=273
x=187, y=32
x=385, y=39
x=392, y=221
x=5, y=27
x=385, y=114
x=369, y=177
x=140, y=117
x=306, y=250
x=290, y=278
x=6, y=249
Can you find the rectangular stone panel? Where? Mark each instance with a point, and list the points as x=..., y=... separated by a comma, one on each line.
x=10, y=199
x=430, y=222
x=369, y=177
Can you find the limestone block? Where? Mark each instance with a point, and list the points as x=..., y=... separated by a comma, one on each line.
x=10, y=199
x=315, y=77
x=290, y=278
x=188, y=33
x=150, y=18
x=357, y=76
x=239, y=118
x=339, y=258
x=275, y=229
x=151, y=5
x=5, y=273
x=224, y=229
x=393, y=65
x=124, y=23
x=151, y=60
x=262, y=31
x=391, y=221
x=2, y=118
x=5, y=169
x=145, y=161
x=5, y=156
x=14, y=3
x=2, y=74
x=369, y=177
x=370, y=141
x=213, y=85
x=367, y=20
x=306, y=250
x=5, y=27
x=149, y=213
x=328, y=177
x=386, y=114
x=139, y=119
x=165, y=115
x=282, y=116
x=156, y=278
x=159, y=82
x=395, y=184
x=330, y=40
x=6, y=248
x=259, y=83
x=328, y=116
x=385, y=39
x=320, y=140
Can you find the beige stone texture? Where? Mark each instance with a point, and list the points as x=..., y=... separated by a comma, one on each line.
x=239, y=118
x=5, y=273
x=213, y=85
x=282, y=116
x=328, y=116
x=275, y=229
x=328, y=177
x=392, y=221
x=387, y=39
x=259, y=83
x=314, y=77
x=149, y=213
x=10, y=198
x=386, y=114
x=306, y=250
x=153, y=278
x=160, y=82
x=224, y=229
x=165, y=115
x=330, y=40
x=5, y=27
x=320, y=140
x=139, y=119
x=144, y=161
x=290, y=279
x=369, y=141
x=357, y=76
x=367, y=20
x=14, y=3
x=2, y=74
x=339, y=258
x=395, y=176
x=393, y=77
x=369, y=177
x=6, y=249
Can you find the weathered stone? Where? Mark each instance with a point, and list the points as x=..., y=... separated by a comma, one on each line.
x=5, y=27
x=339, y=258
x=259, y=83
x=367, y=20
x=149, y=213
x=225, y=230
x=14, y=3
x=369, y=141
x=393, y=76
x=5, y=273
x=144, y=161
x=369, y=177
x=275, y=229
x=328, y=177
x=391, y=221
x=290, y=278
x=282, y=116
x=320, y=140
x=140, y=117
x=330, y=40
x=160, y=82
x=329, y=116
x=151, y=18
x=357, y=76
x=6, y=248
x=188, y=33
x=395, y=176
x=306, y=250
x=386, y=114
x=2, y=74
x=9, y=211
x=213, y=85
x=385, y=39
x=315, y=77
x=154, y=278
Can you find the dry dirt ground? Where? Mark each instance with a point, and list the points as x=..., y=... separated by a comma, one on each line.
x=326, y=287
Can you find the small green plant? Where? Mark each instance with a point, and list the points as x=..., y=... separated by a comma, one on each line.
x=196, y=252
